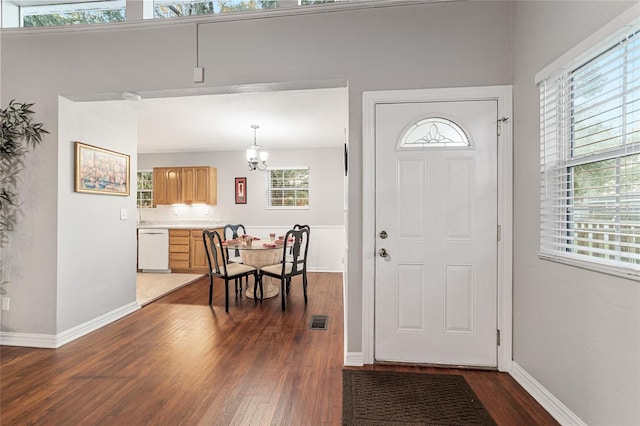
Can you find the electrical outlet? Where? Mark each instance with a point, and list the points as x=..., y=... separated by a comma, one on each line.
x=201, y=209
x=5, y=303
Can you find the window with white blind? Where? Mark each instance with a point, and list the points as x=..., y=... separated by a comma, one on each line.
x=590, y=156
x=288, y=188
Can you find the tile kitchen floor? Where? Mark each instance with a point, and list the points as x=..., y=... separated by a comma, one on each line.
x=150, y=286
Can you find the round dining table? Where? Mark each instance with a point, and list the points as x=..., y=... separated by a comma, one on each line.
x=260, y=254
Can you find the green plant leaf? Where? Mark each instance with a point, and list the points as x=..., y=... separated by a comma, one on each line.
x=17, y=135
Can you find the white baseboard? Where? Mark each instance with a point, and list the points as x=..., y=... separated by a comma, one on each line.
x=353, y=359
x=55, y=341
x=553, y=405
x=89, y=326
x=30, y=340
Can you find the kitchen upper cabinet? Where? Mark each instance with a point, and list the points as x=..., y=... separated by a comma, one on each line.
x=206, y=185
x=188, y=185
x=185, y=185
x=199, y=185
x=166, y=185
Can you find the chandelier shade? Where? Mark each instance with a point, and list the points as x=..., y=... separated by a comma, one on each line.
x=256, y=159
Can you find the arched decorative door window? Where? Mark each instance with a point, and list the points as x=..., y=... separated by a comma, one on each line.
x=434, y=132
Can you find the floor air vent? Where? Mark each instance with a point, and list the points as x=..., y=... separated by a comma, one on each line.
x=319, y=322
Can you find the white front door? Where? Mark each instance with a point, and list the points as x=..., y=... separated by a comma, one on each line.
x=436, y=201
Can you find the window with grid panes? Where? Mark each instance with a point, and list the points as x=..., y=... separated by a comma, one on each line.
x=288, y=188
x=144, y=196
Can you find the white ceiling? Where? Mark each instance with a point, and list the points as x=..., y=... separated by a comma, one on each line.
x=310, y=118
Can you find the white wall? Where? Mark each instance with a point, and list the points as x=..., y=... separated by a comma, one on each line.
x=411, y=46
x=96, y=250
x=32, y=290
x=576, y=332
x=326, y=174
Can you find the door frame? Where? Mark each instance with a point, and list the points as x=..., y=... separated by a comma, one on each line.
x=502, y=94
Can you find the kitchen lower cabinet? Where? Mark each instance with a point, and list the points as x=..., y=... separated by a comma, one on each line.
x=186, y=251
x=179, y=250
x=199, y=260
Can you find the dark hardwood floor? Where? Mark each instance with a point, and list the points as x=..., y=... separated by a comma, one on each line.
x=176, y=361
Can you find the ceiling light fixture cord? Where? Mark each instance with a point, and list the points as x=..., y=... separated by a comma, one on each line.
x=197, y=45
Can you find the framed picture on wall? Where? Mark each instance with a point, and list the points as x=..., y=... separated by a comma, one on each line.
x=241, y=190
x=100, y=171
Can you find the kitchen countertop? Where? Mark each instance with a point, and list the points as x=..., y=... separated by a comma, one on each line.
x=180, y=225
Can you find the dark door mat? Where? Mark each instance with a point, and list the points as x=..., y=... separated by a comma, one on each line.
x=379, y=398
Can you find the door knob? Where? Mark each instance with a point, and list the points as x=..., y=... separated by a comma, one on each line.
x=383, y=252
x=383, y=235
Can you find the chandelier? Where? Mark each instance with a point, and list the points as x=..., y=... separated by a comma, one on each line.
x=257, y=159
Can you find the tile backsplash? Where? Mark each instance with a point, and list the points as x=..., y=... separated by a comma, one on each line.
x=178, y=213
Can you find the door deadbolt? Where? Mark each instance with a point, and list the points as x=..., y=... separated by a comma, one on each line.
x=383, y=235
x=383, y=252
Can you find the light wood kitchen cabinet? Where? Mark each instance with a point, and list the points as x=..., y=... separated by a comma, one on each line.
x=185, y=185
x=199, y=185
x=179, y=249
x=166, y=185
x=198, y=254
x=186, y=251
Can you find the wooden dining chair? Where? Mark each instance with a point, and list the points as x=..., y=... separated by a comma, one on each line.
x=233, y=232
x=297, y=226
x=219, y=266
x=298, y=241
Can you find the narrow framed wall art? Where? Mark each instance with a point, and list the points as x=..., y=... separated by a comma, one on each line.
x=241, y=190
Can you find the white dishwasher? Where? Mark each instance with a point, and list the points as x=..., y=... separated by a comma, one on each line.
x=153, y=250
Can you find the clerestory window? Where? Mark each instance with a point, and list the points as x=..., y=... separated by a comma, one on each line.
x=44, y=14
x=173, y=8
